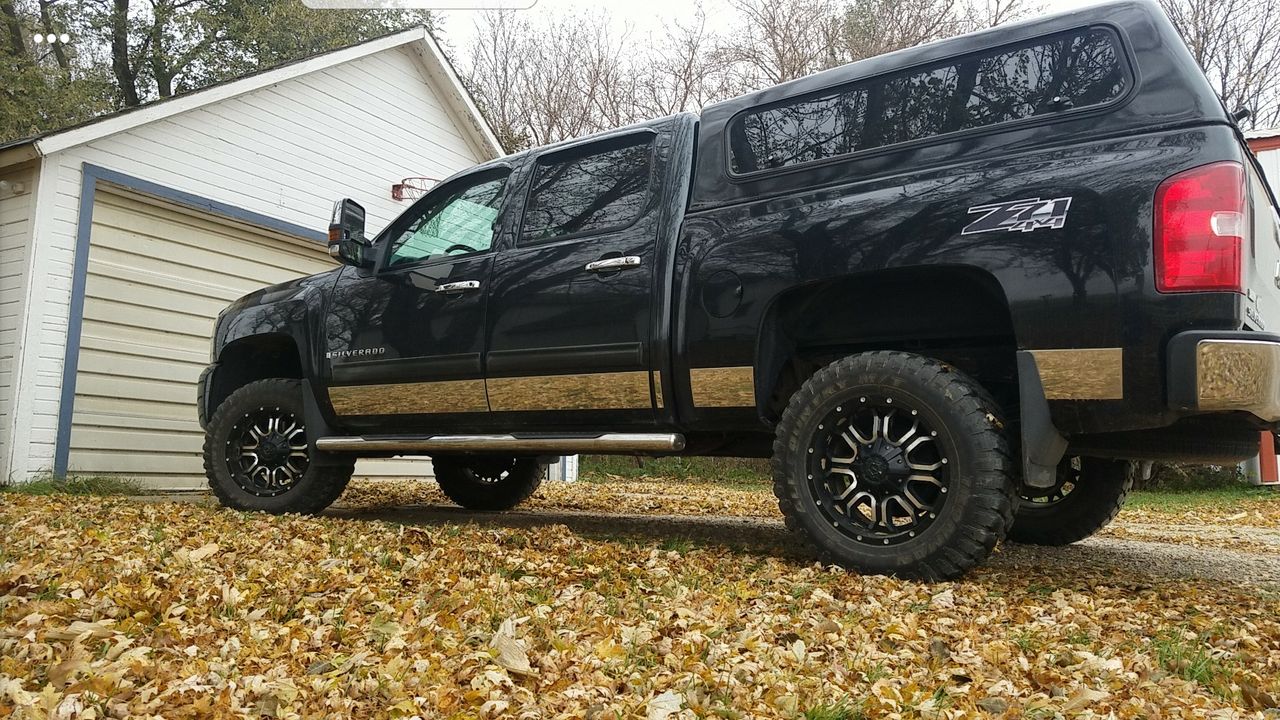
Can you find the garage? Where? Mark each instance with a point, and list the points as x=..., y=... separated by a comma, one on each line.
x=123, y=239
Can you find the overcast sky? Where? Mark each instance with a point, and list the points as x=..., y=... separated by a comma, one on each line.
x=642, y=15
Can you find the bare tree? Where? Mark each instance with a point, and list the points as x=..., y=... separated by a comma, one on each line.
x=982, y=14
x=875, y=27
x=565, y=76
x=780, y=40
x=556, y=77
x=1234, y=41
x=679, y=70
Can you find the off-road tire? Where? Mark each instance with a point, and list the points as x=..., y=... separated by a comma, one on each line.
x=1089, y=506
x=979, y=502
x=489, y=484
x=323, y=480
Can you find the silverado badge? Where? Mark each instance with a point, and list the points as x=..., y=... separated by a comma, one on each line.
x=1019, y=215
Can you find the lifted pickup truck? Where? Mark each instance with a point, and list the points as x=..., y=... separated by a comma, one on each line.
x=953, y=292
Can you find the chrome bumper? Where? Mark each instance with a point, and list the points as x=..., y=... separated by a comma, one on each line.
x=1236, y=374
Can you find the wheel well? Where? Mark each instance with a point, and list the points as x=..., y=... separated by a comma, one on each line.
x=253, y=358
x=957, y=315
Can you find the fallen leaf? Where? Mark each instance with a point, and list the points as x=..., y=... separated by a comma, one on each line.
x=512, y=654
x=665, y=705
x=202, y=552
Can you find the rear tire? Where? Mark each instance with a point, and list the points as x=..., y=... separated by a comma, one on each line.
x=488, y=483
x=895, y=463
x=257, y=455
x=1087, y=497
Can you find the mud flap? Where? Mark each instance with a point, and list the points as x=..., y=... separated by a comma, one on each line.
x=1042, y=445
x=317, y=427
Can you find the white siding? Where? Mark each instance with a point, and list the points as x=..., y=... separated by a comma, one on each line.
x=286, y=151
x=1270, y=161
x=15, y=234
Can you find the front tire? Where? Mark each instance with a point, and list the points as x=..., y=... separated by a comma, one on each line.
x=1086, y=498
x=257, y=455
x=488, y=483
x=893, y=463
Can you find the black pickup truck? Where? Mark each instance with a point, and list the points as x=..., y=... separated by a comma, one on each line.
x=954, y=292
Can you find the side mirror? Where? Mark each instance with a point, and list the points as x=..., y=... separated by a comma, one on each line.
x=347, y=242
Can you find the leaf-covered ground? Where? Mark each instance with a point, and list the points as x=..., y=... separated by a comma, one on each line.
x=116, y=607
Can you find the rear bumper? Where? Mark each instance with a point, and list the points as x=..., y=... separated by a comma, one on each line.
x=1213, y=372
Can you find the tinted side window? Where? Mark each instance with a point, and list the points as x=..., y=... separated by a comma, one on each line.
x=457, y=223
x=1070, y=70
x=602, y=189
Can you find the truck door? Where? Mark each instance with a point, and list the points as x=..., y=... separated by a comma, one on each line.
x=405, y=339
x=571, y=303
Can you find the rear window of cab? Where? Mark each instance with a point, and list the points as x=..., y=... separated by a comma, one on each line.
x=1045, y=76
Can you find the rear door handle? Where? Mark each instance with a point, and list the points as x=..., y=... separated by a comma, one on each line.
x=457, y=287
x=614, y=263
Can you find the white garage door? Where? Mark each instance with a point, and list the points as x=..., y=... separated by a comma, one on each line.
x=159, y=274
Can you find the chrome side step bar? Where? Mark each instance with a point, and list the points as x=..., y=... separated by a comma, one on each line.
x=603, y=443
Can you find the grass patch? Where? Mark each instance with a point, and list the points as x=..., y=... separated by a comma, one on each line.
x=1174, y=500
x=74, y=485
x=742, y=473
x=837, y=711
x=1189, y=660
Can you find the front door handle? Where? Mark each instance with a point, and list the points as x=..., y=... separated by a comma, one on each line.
x=614, y=263
x=457, y=287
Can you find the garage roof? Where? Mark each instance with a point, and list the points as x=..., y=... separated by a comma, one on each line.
x=417, y=39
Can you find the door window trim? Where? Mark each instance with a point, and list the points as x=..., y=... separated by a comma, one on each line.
x=583, y=149
x=384, y=252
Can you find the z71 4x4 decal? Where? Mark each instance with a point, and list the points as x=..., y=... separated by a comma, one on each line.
x=1019, y=215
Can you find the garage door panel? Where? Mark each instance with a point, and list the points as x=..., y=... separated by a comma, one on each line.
x=132, y=388
x=133, y=275
x=108, y=310
x=102, y=284
x=133, y=413
x=110, y=416
x=186, y=225
x=107, y=439
x=136, y=248
x=126, y=340
x=166, y=466
x=110, y=329
x=120, y=229
x=151, y=370
x=204, y=275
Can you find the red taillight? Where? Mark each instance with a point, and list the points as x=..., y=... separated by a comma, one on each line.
x=1200, y=225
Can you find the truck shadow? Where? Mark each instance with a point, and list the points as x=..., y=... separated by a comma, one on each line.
x=753, y=535
x=1126, y=560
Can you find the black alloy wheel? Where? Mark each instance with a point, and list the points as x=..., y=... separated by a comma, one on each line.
x=881, y=475
x=268, y=453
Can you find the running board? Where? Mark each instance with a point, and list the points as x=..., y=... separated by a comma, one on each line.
x=604, y=443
